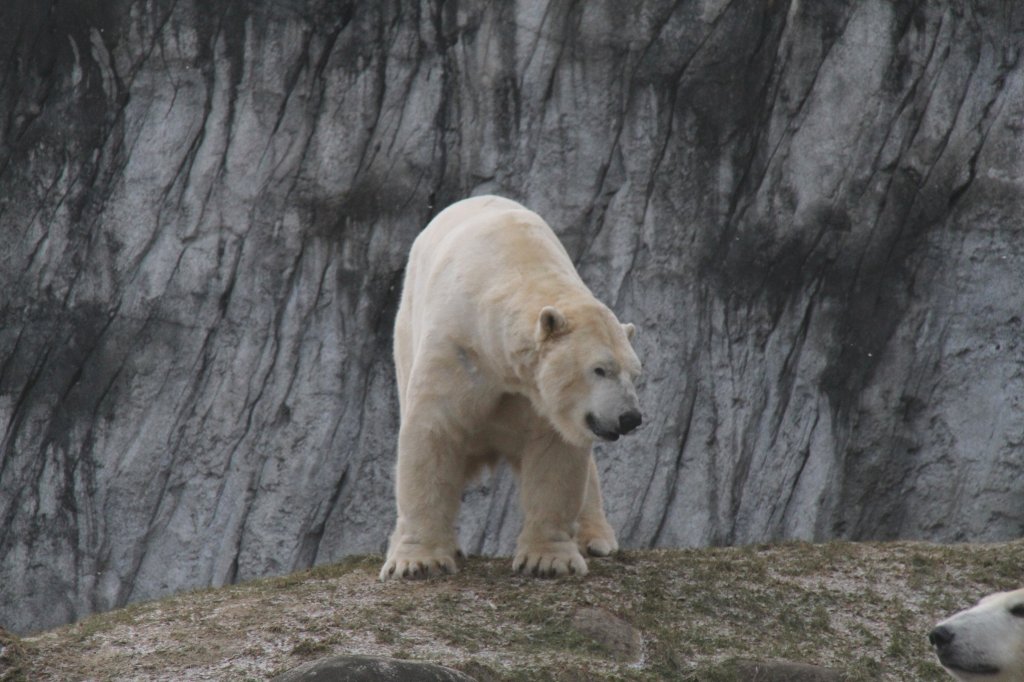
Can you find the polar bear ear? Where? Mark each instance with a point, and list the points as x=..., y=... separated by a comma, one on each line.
x=549, y=323
x=630, y=330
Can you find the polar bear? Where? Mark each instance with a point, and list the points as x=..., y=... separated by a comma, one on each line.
x=501, y=351
x=984, y=642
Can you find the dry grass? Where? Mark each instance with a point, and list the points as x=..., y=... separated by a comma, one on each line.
x=858, y=607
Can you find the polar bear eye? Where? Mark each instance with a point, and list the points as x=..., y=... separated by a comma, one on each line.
x=1017, y=611
x=599, y=371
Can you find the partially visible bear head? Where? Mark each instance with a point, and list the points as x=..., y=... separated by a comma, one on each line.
x=586, y=372
x=985, y=642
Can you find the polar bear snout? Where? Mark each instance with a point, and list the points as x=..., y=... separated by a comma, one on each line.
x=627, y=422
x=940, y=638
x=613, y=408
x=985, y=641
x=957, y=659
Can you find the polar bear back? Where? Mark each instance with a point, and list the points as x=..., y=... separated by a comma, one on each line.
x=486, y=235
x=488, y=258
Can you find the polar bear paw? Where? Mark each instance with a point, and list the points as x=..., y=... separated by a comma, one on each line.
x=420, y=563
x=597, y=541
x=549, y=560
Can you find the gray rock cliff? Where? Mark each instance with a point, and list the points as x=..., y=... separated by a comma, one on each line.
x=811, y=211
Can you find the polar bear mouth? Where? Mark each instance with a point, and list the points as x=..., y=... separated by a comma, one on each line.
x=598, y=430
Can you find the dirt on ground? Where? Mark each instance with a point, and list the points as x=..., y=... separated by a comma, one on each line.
x=862, y=610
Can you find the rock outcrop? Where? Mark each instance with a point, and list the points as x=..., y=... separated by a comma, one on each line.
x=811, y=210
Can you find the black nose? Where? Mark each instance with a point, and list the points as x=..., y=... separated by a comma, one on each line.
x=940, y=636
x=629, y=421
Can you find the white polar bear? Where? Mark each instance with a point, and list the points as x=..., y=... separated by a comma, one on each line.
x=984, y=642
x=501, y=351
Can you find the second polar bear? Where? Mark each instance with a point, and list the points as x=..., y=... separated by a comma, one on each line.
x=984, y=642
x=501, y=351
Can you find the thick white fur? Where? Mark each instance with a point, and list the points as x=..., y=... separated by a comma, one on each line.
x=499, y=352
x=986, y=641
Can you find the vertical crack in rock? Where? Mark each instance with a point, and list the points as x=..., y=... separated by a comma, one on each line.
x=307, y=553
x=983, y=130
x=690, y=406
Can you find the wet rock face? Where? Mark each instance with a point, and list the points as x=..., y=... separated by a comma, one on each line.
x=810, y=210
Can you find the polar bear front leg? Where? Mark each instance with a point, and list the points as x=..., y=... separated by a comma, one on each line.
x=428, y=486
x=552, y=481
x=596, y=536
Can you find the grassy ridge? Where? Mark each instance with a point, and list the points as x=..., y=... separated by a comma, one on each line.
x=861, y=608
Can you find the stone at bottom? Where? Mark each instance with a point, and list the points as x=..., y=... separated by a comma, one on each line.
x=784, y=671
x=370, y=669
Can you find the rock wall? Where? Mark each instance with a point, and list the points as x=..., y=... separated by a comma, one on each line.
x=811, y=210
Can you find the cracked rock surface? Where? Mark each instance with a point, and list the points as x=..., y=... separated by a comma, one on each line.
x=810, y=210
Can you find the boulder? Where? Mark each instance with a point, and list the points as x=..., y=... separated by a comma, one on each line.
x=370, y=669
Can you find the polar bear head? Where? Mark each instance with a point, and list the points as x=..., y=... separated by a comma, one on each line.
x=586, y=370
x=984, y=642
